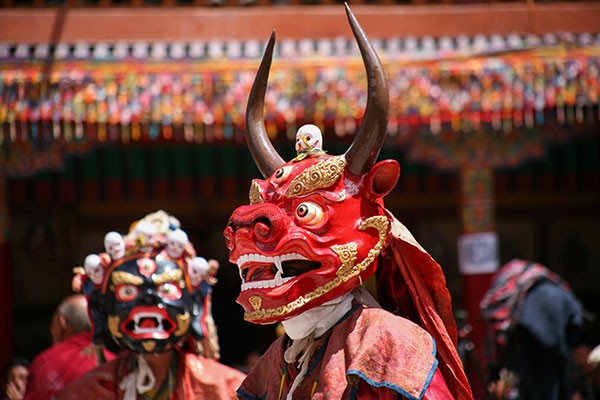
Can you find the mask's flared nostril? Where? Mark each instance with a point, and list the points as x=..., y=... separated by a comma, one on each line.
x=264, y=222
x=262, y=227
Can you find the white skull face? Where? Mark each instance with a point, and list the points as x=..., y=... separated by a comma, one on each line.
x=114, y=245
x=176, y=242
x=309, y=137
x=197, y=270
x=93, y=268
x=145, y=232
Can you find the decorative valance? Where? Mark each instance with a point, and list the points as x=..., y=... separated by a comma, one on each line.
x=77, y=96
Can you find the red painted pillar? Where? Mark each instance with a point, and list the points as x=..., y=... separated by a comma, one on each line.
x=6, y=281
x=478, y=259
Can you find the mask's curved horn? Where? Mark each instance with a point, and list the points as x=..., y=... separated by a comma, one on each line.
x=362, y=153
x=265, y=156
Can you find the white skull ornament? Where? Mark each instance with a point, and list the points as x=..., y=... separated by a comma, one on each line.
x=93, y=268
x=176, y=242
x=309, y=138
x=114, y=245
x=144, y=232
x=197, y=270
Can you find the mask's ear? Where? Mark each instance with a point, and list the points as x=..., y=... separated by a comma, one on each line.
x=382, y=178
x=200, y=298
x=98, y=315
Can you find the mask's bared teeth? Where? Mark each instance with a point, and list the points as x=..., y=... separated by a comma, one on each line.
x=261, y=272
x=278, y=265
x=278, y=279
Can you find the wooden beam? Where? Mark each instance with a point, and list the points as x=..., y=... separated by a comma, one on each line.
x=294, y=22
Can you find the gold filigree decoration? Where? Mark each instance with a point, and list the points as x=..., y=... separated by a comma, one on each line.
x=382, y=224
x=348, y=271
x=321, y=175
x=183, y=324
x=168, y=276
x=255, y=302
x=347, y=255
x=255, y=194
x=113, y=325
x=122, y=278
x=149, y=345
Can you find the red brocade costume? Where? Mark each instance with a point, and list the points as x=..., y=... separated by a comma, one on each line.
x=197, y=378
x=369, y=354
x=416, y=288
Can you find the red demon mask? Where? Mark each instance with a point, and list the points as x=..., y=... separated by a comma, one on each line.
x=316, y=225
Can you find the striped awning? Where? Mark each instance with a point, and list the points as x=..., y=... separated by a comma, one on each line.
x=403, y=48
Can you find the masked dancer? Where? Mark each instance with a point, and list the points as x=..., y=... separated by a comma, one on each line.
x=315, y=235
x=147, y=295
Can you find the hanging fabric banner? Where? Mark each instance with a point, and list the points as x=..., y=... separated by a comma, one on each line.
x=72, y=105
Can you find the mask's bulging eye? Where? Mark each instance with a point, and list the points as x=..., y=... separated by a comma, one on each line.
x=282, y=174
x=170, y=291
x=126, y=293
x=309, y=213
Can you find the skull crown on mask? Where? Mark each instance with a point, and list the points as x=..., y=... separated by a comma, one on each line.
x=146, y=291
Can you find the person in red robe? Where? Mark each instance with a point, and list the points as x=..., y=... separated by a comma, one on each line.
x=315, y=237
x=71, y=355
x=144, y=302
